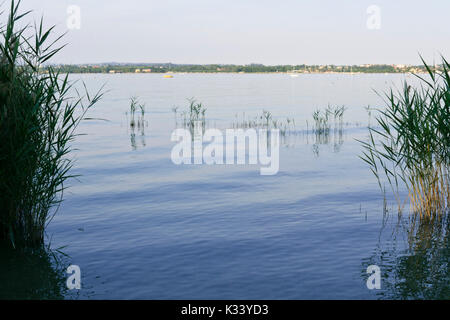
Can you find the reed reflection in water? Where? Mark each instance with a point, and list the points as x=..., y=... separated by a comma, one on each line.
x=413, y=258
x=33, y=274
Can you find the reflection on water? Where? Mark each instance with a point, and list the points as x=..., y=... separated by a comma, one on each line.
x=414, y=259
x=335, y=139
x=140, y=131
x=37, y=274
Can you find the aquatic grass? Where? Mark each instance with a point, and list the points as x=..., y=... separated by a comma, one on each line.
x=322, y=119
x=38, y=118
x=140, y=123
x=175, y=114
x=410, y=145
x=266, y=121
x=195, y=113
x=135, y=105
x=328, y=126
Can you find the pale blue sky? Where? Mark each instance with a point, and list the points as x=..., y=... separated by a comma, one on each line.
x=250, y=31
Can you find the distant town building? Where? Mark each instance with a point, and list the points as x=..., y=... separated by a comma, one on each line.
x=399, y=66
x=146, y=70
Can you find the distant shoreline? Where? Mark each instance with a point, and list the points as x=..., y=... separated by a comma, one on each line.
x=238, y=69
x=247, y=73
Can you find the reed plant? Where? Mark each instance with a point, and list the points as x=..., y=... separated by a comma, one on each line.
x=332, y=117
x=324, y=119
x=196, y=113
x=266, y=121
x=138, y=122
x=135, y=105
x=38, y=118
x=410, y=144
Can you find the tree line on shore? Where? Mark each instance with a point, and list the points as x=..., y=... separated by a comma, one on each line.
x=222, y=68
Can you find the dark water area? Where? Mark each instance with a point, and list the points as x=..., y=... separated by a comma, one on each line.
x=141, y=227
x=31, y=274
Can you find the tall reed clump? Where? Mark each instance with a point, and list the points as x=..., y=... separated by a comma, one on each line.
x=196, y=113
x=414, y=142
x=134, y=106
x=140, y=123
x=324, y=121
x=37, y=123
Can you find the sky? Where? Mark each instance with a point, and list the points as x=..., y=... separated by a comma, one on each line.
x=340, y=32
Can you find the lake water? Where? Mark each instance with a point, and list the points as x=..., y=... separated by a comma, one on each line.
x=141, y=227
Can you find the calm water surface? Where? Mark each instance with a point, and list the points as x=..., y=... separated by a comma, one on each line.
x=141, y=227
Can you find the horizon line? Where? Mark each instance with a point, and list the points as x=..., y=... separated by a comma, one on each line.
x=228, y=64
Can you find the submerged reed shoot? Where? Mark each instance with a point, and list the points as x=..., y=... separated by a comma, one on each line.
x=266, y=121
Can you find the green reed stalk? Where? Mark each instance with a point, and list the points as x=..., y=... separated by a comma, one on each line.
x=411, y=143
x=38, y=119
